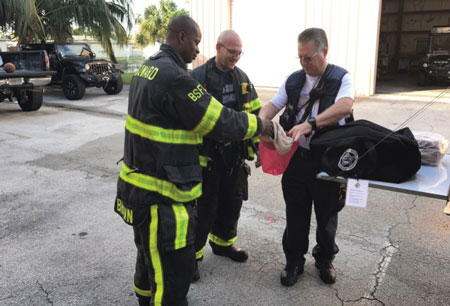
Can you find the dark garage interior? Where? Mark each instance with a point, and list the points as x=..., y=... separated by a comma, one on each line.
x=414, y=35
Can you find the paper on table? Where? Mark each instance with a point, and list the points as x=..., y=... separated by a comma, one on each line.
x=357, y=193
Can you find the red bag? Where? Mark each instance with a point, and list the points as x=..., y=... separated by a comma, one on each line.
x=271, y=161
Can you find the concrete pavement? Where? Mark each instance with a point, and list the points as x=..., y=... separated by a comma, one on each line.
x=62, y=244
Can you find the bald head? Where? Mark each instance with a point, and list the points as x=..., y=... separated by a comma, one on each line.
x=184, y=35
x=229, y=50
x=229, y=36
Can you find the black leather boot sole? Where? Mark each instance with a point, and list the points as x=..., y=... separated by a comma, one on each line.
x=232, y=252
x=144, y=301
x=196, y=275
x=289, y=276
x=327, y=273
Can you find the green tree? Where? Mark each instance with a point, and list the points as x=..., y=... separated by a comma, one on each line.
x=153, y=26
x=37, y=20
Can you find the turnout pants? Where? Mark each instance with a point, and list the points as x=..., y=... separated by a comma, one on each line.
x=300, y=190
x=218, y=209
x=165, y=254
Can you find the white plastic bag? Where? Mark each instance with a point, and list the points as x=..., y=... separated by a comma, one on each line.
x=432, y=147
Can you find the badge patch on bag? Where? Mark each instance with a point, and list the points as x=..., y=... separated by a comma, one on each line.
x=348, y=160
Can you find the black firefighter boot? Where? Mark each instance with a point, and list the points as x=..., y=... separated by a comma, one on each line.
x=196, y=274
x=144, y=301
x=232, y=252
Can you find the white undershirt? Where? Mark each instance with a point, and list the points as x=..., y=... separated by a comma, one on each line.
x=280, y=99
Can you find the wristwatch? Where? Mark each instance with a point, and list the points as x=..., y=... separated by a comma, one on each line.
x=312, y=121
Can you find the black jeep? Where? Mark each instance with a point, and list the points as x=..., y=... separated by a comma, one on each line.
x=435, y=67
x=77, y=69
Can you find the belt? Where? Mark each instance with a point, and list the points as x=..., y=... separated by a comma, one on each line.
x=303, y=153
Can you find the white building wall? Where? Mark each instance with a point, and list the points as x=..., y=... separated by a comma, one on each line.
x=269, y=31
x=213, y=17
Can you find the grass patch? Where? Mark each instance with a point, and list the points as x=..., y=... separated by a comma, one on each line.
x=126, y=77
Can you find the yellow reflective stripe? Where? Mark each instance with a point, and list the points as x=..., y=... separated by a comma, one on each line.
x=252, y=126
x=163, y=187
x=182, y=222
x=252, y=105
x=199, y=254
x=210, y=117
x=154, y=255
x=203, y=160
x=220, y=241
x=159, y=134
x=141, y=292
x=251, y=154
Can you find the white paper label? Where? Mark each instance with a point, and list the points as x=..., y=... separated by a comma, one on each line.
x=357, y=193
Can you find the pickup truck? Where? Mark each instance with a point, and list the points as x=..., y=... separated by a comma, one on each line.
x=27, y=82
x=76, y=68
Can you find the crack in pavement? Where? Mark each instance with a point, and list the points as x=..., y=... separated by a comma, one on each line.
x=387, y=252
x=47, y=295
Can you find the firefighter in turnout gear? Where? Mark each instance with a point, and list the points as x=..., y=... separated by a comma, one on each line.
x=225, y=172
x=169, y=112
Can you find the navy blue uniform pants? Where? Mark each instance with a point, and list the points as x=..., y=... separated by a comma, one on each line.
x=300, y=190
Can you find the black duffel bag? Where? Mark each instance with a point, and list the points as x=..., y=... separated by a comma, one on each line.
x=365, y=150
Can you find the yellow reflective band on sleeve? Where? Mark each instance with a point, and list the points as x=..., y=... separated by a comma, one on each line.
x=210, y=117
x=141, y=292
x=182, y=222
x=154, y=255
x=162, y=187
x=199, y=254
x=203, y=160
x=252, y=105
x=252, y=126
x=255, y=140
x=219, y=241
x=251, y=154
x=159, y=134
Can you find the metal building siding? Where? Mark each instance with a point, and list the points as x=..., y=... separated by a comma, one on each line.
x=269, y=31
x=213, y=17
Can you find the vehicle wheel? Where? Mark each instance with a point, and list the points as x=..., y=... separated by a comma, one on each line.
x=73, y=87
x=30, y=100
x=423, y=79
x=2, y=96
x=114, y=87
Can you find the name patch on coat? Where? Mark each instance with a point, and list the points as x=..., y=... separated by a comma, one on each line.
x=123, y=211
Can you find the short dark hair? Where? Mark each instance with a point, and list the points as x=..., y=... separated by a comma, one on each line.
x=314, y=34
x=182, y=23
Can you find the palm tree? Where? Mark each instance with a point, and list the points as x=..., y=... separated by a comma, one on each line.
x=37, y=20
x=153, y=26
x=20, y=15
